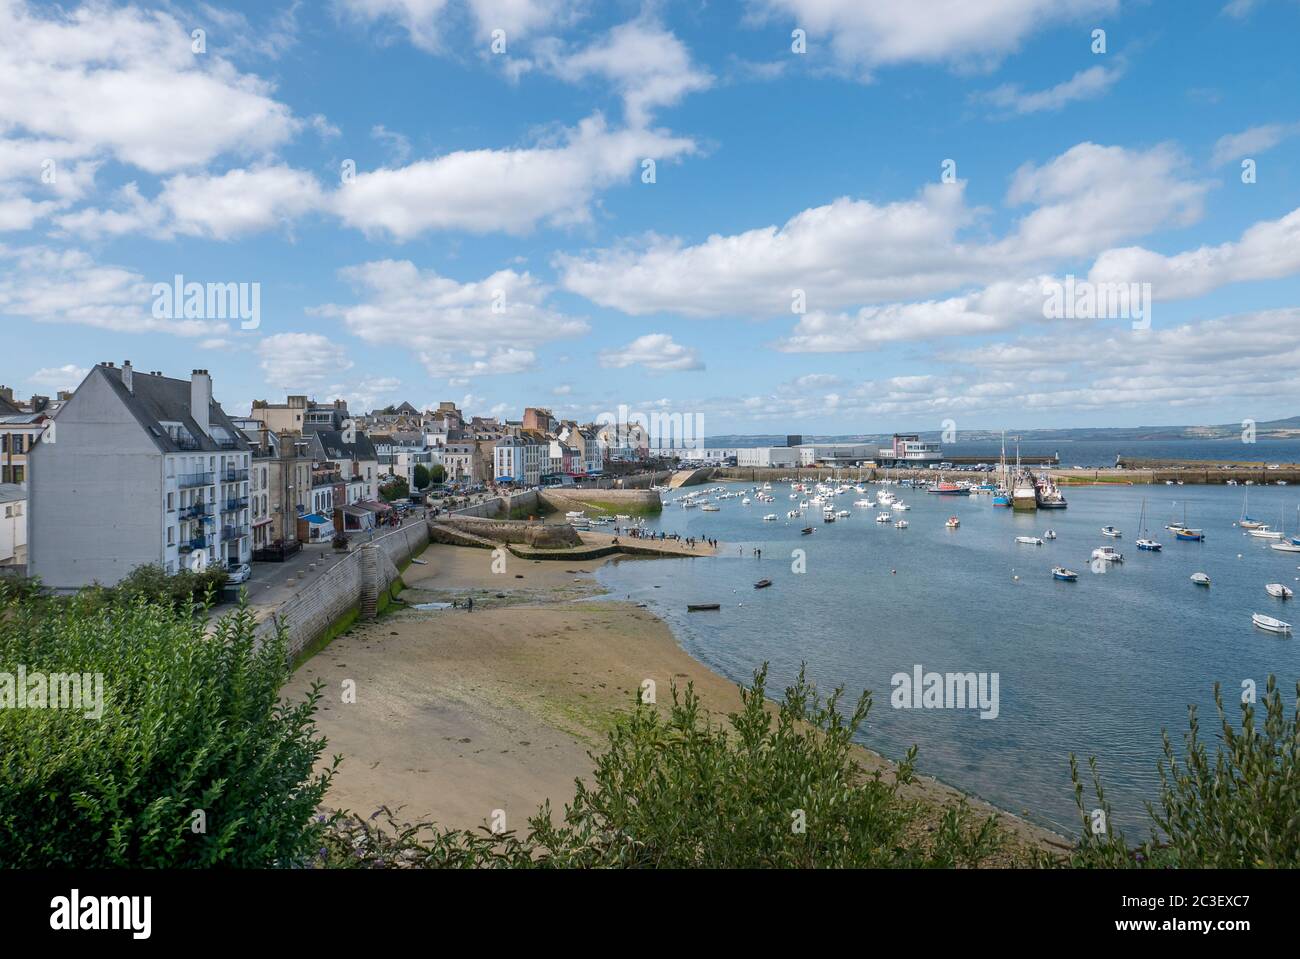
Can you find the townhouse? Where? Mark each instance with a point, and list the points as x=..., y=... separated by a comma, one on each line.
x=142, y=469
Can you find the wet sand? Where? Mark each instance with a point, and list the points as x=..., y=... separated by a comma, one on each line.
x=459, y=714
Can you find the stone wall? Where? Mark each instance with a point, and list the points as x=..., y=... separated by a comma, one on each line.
x=557, y=536
x=564, y=499
x=321, y=604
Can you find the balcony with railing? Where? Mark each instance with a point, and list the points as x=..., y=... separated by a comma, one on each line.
x=198, y=542
x=234, y=476
x=196, y=511
x=234, y=504
x=231, y=533
x=193, y=480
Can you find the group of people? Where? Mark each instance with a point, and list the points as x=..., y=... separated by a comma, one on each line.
x=637, y=532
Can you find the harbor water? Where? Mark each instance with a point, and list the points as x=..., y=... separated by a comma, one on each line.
x=1095, y=667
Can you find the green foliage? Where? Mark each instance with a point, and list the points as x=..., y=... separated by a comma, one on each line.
x=421, y=476
x=190, y=721
x=396, y=488
x=184, y=589
x=437, y=474
x=764, y=790
x=1237, y=809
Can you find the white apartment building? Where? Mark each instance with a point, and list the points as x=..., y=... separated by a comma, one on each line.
x=13, y=524
x=520, y=458
x=137, y=469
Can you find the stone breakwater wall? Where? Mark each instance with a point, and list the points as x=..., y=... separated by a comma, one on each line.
x=353, y=586
x=564, y=499
x=536, y=535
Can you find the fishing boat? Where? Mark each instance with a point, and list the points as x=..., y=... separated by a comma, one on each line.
x=1146, y=542
x=1111, y=531
x=1061, y=573
x=763, y=584
x=1269, y=623
x=1049, y=497
x=1029, y=540
x=1200, y=579
x=953, y=522
x=1050, y=534
x=702, y=607
x=945, y=488
x=1002, y=497
x=1108, y=554
x=1279, y=591
x=901, y=524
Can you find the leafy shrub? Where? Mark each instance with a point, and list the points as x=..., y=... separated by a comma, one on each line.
x=1237, y=809
x=395, y=489
x=189, y=722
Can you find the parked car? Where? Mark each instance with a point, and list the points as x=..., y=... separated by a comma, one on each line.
x=239, y=573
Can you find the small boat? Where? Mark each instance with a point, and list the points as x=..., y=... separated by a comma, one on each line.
x=769, y=518
x=745, y=501
x=883, y=517
x=702, y=607
x=1265, y=532
x=806, y=530
x=841, y=514
x=953, y=522
x=1150, y=545
x=1029, y=540
x=901, y=505
x=1285, y=547
x=1108, y=554
x=901, y=524
x=1050, y=534
x=1061, y=573
x=1111, y=531
x=763, y=584
x=1279, y=591
x=865, y=503
x=1200, y=579
x=710, y=508
x=575, y=514
x=1189, y=535
x=1146, y=542
x=1269, y=623
x=828, y=517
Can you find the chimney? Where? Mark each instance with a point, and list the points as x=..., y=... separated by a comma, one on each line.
x=128, y=376
x=201, y=400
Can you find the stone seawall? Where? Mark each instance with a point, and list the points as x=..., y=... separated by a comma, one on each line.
x=351, y=586
x=565, y=499
x=555, y=536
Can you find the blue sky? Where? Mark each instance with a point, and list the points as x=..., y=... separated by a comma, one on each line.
x=497, y=245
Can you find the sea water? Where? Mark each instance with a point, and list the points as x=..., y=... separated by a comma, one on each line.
x=1095, y=668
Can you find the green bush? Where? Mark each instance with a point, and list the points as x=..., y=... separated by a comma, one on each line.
x=1237, y=809
x=189, y=722
x=395, y=489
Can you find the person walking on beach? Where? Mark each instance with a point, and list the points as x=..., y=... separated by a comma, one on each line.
x=469, y=604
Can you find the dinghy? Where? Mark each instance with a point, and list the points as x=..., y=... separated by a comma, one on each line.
x=1050, y=534
x=702, y=607
x=1061, y=573
x=763, y=584
x=1279, y=591
x=1029, y=540
x=1200, y=579
x=1269, y=623
x=1111, y=531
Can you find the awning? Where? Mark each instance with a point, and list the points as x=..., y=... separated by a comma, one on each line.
x=263, y=522
x=316, y=519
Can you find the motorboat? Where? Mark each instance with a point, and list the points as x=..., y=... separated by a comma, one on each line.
x=1066, y=575
x=1108, y=554
x=901, y=524
x=763, y=584
x=769, y=518
x=1150, y=545
x=953, y=522
x=1269, y=623
x=1029, y=540
x=806, y=530
x=1050, y=534
x=883, y=517
x=711, y=508
x=1285, y=547
x=1279, y=590
x=1111, y=531
x=1266, y=532
x=1200, y=579
x=865, y=503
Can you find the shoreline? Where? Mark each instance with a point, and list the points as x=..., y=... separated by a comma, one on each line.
x=460, y=714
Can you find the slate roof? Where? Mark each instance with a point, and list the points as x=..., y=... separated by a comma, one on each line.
x=155, y=400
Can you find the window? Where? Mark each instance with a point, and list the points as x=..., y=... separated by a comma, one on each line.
x=171, y=502
x=18, y=474
x=9, y=512
x=171, y=535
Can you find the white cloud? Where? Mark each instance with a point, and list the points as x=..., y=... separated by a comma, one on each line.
x=66, y=377
x=294, y=361
x=1084, y=85
x=124, y=81
x=512, y=190
x=853, y=252
x=654, y=351
x=1255, y=140
x=45, y=285
x=1267, y=250
x=867, y=34
x=435, y=26
x=644, y=62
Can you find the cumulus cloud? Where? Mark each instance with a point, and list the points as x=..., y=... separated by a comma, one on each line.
x=654, y=351
x=1084, y=85
x=301, y=360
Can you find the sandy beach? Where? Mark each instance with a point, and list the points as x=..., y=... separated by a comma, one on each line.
x=459, y=713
